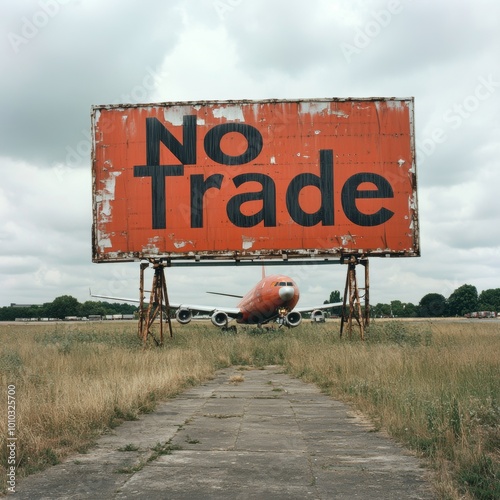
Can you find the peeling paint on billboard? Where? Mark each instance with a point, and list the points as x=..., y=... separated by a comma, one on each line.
x=242, y=179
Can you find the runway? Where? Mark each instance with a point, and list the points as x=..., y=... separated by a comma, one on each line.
x=246, y=434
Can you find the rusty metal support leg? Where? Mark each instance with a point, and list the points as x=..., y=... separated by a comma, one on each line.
x=344, y=306
x=158, y=293
x=142, y=312
x=167, y=304
x=150, y=313
x=366, y=263
x=158, y=304
x=355, y=311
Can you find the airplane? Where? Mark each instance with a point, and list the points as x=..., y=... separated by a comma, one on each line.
x=273, y=298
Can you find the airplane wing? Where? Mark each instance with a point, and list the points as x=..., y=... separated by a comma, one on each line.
x=121, y=299
x=232, y=312
x=320, y=307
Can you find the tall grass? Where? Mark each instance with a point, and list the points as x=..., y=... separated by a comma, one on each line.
x=433, y=386
x=436, y=389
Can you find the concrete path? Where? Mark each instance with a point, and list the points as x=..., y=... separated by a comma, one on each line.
x=255, y=434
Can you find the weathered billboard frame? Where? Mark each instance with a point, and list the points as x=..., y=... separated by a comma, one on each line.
x=391, y=140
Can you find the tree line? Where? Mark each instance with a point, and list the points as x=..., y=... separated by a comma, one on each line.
x=64, y=306
x=464, y=300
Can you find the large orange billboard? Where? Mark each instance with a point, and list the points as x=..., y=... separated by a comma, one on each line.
x=242, y=179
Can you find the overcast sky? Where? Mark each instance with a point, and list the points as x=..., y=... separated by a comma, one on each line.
x=59, y=57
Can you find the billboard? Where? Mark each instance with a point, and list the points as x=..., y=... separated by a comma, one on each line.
x=250, y=179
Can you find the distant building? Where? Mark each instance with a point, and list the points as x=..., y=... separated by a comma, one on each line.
x=13, y=304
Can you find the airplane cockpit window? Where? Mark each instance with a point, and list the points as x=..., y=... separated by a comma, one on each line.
x=283, y=283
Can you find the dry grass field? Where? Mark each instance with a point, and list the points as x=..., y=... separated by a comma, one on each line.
x=433, y=386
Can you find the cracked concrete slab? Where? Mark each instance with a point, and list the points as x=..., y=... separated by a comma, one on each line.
x=266, y=436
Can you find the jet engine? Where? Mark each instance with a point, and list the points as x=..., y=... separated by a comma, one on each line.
x=293, y=319
x=219, y=318
x=183, y=315
x=318, y=316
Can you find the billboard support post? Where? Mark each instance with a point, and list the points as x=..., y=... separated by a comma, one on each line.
x=157, y=298
x=142, y=316
x=366, y=265
x=353, y=310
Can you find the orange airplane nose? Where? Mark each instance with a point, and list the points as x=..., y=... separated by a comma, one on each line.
x=286, y=293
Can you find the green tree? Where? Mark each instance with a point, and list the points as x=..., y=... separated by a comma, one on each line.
x=402, y=309
x=91, y=307
x=334, y=297
x=115, y=308
x=432, y=305
x=381, y=310
x=489, y=300
x=411, y=310
x=463, y=300
x=8, y=313
x=63, y=306
x=397, y=309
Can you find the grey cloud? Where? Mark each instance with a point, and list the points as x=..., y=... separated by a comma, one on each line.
x=107, y=52
x=89, y=53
